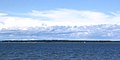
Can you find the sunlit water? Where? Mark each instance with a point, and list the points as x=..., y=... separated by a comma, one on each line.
x=59, y=51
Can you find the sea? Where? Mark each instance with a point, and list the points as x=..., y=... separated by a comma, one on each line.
x=59, y=51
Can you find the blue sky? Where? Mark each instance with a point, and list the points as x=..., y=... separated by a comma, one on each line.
x=21, y=6
x=58, y=12
x=28, y=14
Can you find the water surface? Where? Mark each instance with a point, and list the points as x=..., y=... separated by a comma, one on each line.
x=59, y=51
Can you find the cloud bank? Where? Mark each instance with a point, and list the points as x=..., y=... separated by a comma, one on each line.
x=60, y=24
x=94, y=32
x=61, y=17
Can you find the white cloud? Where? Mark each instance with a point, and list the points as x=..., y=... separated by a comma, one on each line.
x=12, y=22
x=58, y=17
x=78, y=17
x=3, y=14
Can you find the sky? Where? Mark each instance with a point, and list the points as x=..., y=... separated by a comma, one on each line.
x=22, y=6
x=59, y=19
x=32, y=13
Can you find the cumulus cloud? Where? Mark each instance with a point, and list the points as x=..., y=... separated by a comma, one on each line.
x=12, y=22
x=58, y=17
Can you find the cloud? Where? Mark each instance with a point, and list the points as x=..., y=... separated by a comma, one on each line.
x=12, y=22
x=77, y=17
x=65, y=17
x=3, y=14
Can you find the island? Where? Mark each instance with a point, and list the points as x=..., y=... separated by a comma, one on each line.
x=58, y=41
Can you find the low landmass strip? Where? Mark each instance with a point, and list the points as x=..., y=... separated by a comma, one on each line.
x=80, y=41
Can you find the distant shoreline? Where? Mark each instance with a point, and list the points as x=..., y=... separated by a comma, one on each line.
x=58, y=41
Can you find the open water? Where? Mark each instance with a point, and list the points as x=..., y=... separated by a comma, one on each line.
x=59, y=51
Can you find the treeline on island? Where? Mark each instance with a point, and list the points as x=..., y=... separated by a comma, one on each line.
x=84, y=41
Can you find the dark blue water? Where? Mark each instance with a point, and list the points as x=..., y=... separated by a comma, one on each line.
x=59, y=51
